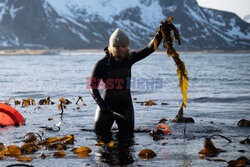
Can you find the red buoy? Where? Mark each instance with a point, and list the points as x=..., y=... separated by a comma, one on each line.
x=9, y=116
x=164, y=128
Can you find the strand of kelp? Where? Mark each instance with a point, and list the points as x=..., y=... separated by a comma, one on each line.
x=169, y=34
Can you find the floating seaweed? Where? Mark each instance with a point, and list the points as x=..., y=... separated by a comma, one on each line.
x=46, y=101
x=246, y=141
x=82, y=152
x=62, y=105
x=24, y=159
x=2, y=146
x=59, y=154
x=163, y=120
x=149, y=103
x=100, y=144
x=140, y=102
x=12, y=151
x=147, y=154
x=80, y=98
x=209, y=150
x=29, y=148
x=139, y=130
x=16, y=102
x=160, y=132
x=81, y=149
x=53, y=143
x=83, y=155
x=27, y=102
x=241, y=161
x=51, y=128
x=110, y=144
x=157, y=134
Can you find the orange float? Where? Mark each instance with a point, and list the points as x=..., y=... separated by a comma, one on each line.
x=164, y=128
x=9, y=116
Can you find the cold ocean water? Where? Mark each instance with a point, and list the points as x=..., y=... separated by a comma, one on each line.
x=218, y=97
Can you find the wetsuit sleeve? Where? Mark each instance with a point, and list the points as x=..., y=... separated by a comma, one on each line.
x=150, y=48
x=94, y=82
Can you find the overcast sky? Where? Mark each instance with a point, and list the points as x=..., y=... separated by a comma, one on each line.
x=240, y=7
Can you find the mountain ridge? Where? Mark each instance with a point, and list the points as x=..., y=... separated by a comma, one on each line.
x=76, y=24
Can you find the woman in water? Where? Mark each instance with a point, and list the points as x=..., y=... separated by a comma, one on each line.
x=114, y=69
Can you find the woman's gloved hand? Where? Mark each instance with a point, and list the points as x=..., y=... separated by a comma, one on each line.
x=105, y=109
x=159, y=28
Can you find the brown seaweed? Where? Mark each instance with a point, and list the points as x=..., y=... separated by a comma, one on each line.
x=46, y=101
x=209, y=150
x=170, y=33
x=244, y=123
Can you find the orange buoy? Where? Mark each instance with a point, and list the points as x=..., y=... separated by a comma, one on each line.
x=164, y=128
x=9, y=116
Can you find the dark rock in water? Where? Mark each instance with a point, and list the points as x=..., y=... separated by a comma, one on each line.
x=244, y=123
x=180, y=119
x=185, y=120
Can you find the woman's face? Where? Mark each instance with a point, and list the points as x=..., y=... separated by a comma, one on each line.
x=123, y=51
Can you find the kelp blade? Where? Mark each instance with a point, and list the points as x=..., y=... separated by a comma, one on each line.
x=168, y=44
x=183, y=78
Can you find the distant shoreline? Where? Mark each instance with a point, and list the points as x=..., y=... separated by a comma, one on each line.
x=56, y=51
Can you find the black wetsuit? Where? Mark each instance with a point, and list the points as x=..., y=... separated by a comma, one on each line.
x=116, y=96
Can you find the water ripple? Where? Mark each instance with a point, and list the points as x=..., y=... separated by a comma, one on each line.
x=221, y=99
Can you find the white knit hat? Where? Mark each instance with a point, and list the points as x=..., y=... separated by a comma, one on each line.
x=118, y=38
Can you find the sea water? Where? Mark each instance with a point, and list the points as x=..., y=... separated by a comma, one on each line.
x=218, y=97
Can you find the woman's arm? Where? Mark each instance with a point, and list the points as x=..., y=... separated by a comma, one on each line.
x=150, y=48
x=95, y=80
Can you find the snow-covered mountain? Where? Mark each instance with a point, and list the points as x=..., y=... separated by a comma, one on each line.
x=87, y=24
x=247, y=18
